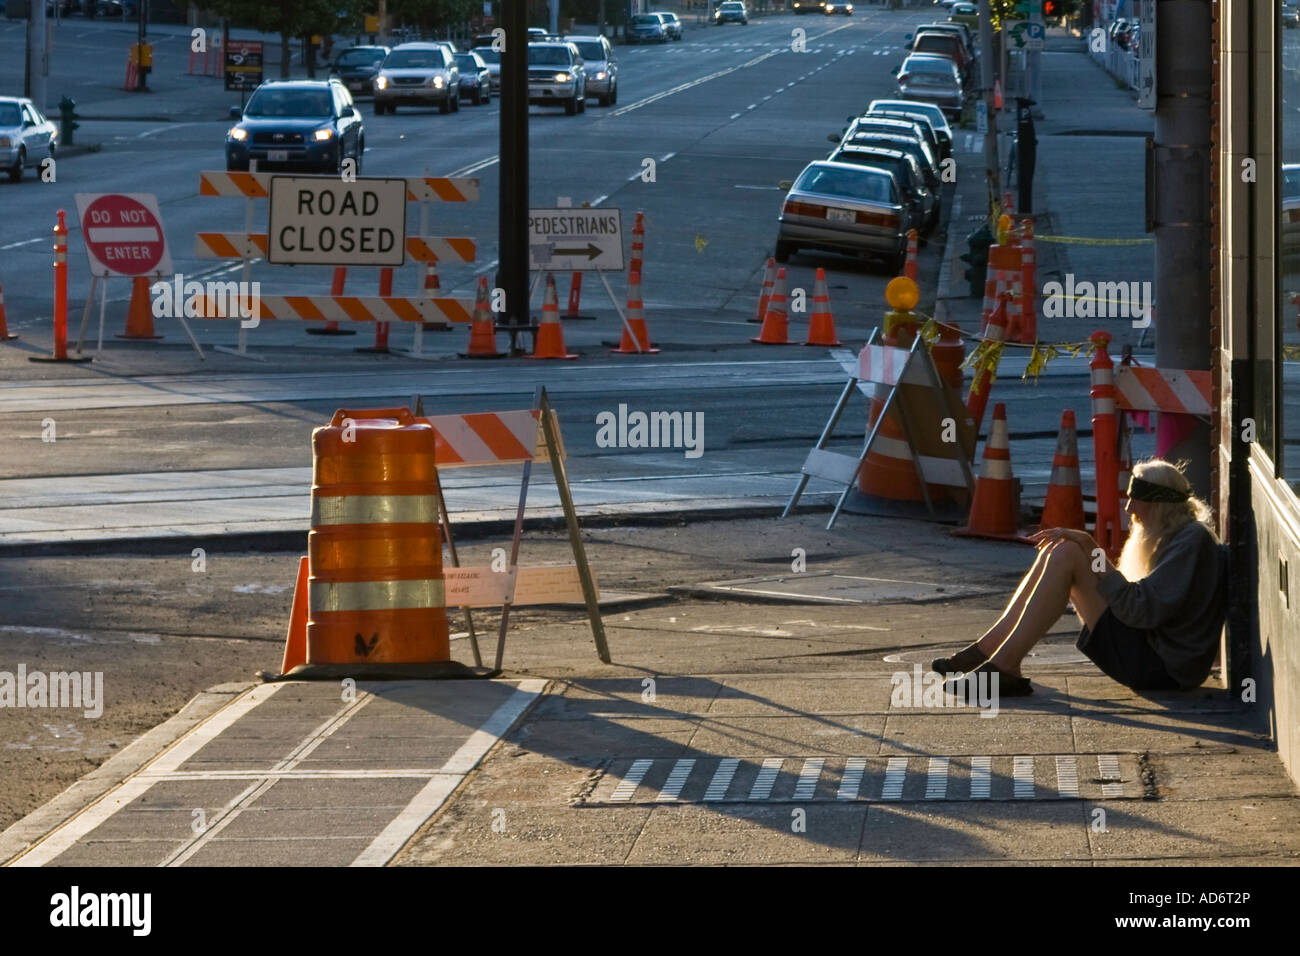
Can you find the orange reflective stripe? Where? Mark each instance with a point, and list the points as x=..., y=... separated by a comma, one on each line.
x=498, y=438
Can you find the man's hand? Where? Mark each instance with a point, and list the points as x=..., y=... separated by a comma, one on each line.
x=1049, y=536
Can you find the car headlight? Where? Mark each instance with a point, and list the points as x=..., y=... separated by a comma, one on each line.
x=237, y=133
x=437, y=82
x=323, y=135
x=381, y=82
x=601, y=75
x=562, y=77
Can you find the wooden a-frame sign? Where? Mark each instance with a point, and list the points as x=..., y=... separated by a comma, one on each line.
x=922, y=403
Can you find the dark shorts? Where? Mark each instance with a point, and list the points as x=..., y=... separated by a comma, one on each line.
x=1124, y=654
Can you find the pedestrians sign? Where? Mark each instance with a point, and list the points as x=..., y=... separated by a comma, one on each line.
x=321, y=220
x=123, y=234
x=243, y=62
x=1028, y=36
x=575, y=240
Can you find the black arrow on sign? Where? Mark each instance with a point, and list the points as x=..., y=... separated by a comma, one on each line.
x=591, y=252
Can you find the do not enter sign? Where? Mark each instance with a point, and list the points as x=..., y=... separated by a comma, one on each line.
x=123, y=234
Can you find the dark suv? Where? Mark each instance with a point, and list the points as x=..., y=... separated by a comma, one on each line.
x=297, y=125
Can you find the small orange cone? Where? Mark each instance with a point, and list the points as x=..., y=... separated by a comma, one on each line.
x=483, y=327
x=775, y=330
x=5, y=334
x=139, y=317
x=909, y=266
x=1064, y=505
x=821, y=328
x=635, y=317
x=431, y=289
x=765, y=296
x=550, y=335
x=993, y=511
x=295, y=642
x=997, y=94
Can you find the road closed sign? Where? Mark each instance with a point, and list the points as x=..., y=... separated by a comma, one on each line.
x=575, y=240
x=124, y=234
x=319, y=220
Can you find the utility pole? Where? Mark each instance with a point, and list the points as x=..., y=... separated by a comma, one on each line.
x=1180, y=215
x=986, y=97
x=512, y=214
x=38, y=67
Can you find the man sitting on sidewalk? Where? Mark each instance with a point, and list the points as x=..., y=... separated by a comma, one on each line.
x=1153, y=623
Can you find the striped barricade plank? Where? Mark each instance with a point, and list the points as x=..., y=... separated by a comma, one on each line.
x=326, y=308
x=241, y=185
x=418, y=188
x=488, y=438
x=887, y=366
x=252, y=245
x=1181, y=391
x=441, y=189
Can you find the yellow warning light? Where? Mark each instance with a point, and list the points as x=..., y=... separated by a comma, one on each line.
x=902, y=293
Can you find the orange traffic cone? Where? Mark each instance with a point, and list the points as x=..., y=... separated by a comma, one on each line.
x=5, y=334
x=550, y=336
x=139, y=317
x=635, y=317
x=997, y=94
x=431, y=289
x=483, y=327
x=775, y=330
x=1064, y=505
x=765, y=296
x=993, y=511
x=821, y=328
x=295, y=642
x=909, y=265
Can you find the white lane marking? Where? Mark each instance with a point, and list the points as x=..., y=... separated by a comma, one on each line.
x=132, y=788
x=627, y=786
x=1067, y=777
x=474, y=167
x=598, y=200
x=754, y=106
x=722, y=779
x=851, y=782
x=895, y=774
x=766, y=778
x=1108, y=771
x=806, y=788
x=427, y=802
x=667, y=156
x=680, y=88
x=936, y=784
x=735, y=115
x=1023, y=772
x=676, y=780
x=980, y=777
x=25, y=242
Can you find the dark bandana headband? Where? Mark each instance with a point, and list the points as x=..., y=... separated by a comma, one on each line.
x=1149, y=491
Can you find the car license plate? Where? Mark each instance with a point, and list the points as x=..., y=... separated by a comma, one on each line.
x=840, y=215
x=277, y=155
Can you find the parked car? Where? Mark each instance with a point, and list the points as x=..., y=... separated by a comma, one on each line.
x=358, y=66
x=966, y=13
x=808, y=6
x=600, y=66
x=938, y=122
x=415, y=74
x=958, y=29
x=309, y=125
x=672, y=25
x=932, y=79
x=475, y=79
x=732, y=11
x=841, y=207
x=27, y=138
x=906, y=144
x=925, y=205
x=900, y=125
x=839, y=6
x=942, y=44
x=492, y=60
x=647, y=28
x=556, y=76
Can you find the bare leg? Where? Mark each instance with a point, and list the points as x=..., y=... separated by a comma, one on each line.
x=1065, y=571
x=992, y=639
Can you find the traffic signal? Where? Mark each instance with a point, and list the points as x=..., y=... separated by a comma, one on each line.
x=1049, y=8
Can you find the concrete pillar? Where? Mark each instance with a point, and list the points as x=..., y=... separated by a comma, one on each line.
x=1181, y=204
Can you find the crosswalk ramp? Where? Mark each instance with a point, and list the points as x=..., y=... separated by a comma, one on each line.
x=813, y=779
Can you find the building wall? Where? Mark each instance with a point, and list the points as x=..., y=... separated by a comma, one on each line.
x=1261, y=519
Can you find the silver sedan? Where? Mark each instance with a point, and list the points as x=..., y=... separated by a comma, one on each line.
x=839, y=207
x=27, y=138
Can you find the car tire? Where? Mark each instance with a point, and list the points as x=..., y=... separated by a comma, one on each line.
x=613, y=95
x=784, y=250
x=16, y=171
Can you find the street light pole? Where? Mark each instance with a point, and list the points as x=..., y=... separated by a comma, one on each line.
x=512, y=214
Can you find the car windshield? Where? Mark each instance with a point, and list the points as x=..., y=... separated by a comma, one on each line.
x=934, y=43
x=733, y=7
x=549, y=56
x=931, y=65
x=862, y=184
x=466, y=61
x=645, y=21
x=9, y=114
x=591, y=50
x=360, y=57
x=271, y=102
x=889, y=163
x=414, y=59
x=488, y=54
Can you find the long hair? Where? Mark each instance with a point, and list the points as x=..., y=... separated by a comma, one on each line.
x=1164, y=518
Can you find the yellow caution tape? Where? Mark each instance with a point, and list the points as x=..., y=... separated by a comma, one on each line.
x=1086, y=241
